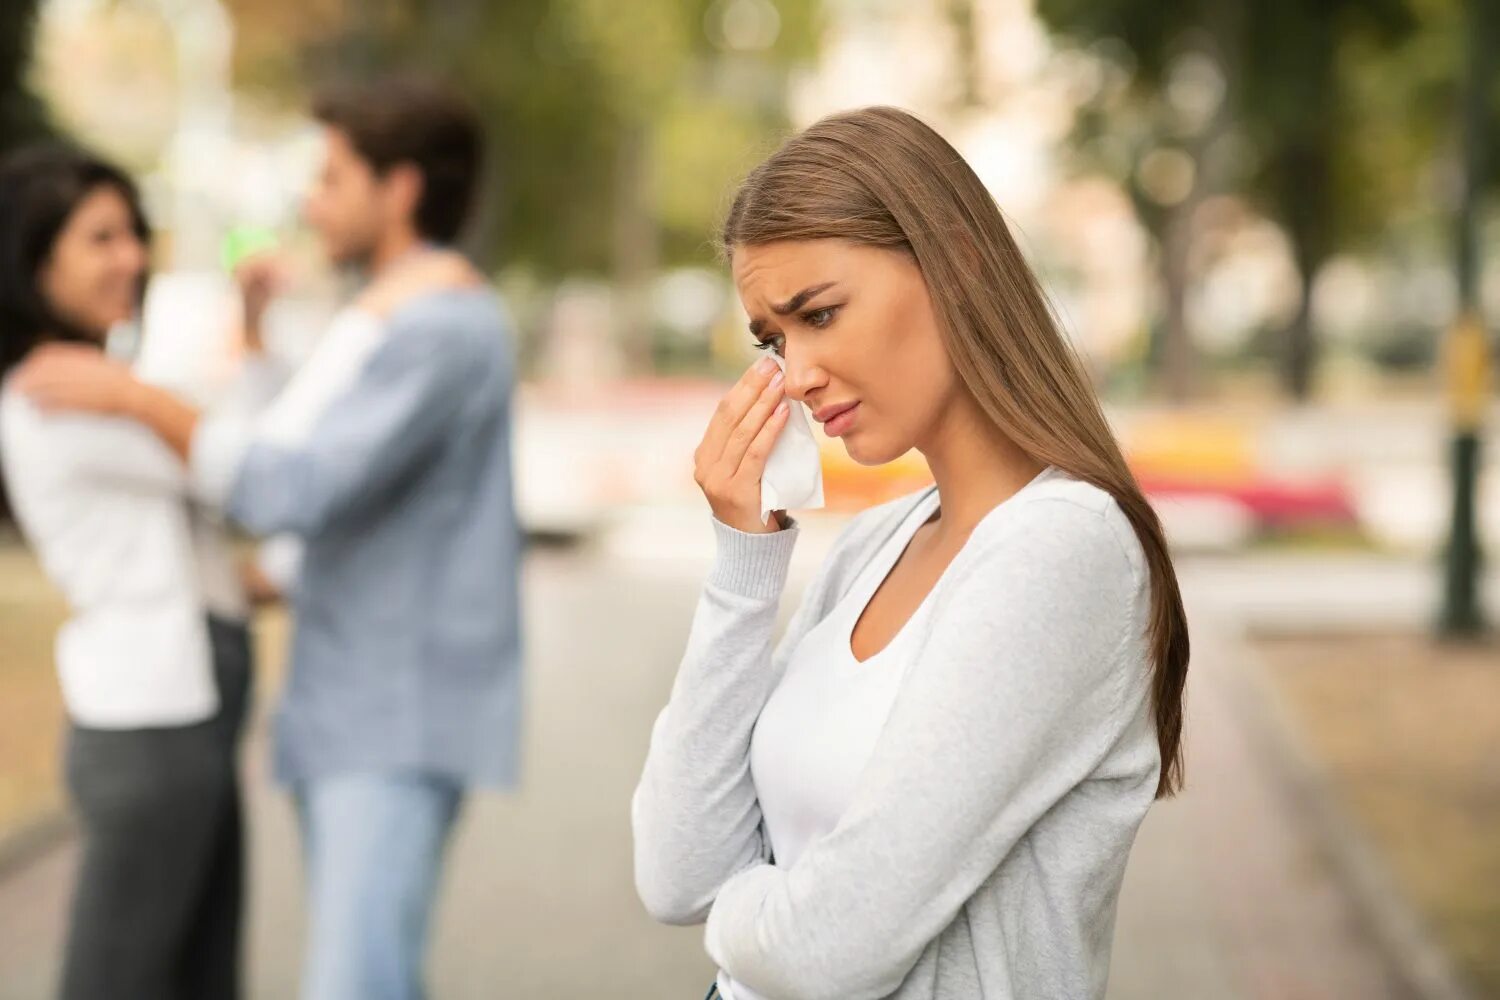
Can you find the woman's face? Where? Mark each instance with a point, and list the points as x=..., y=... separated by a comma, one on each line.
x=92, y=277
x=861, y=342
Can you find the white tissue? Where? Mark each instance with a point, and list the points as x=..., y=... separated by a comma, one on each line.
x=793, y=477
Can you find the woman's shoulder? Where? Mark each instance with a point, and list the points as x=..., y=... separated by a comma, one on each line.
x=24, y=419
x=19, y=417
x=1075, y=517
x=62, y=439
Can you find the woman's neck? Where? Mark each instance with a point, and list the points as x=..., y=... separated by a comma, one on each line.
x=976, y=466
x=82, y=338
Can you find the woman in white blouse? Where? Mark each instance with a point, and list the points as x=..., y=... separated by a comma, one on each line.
x=929, y=790
x=154, y=659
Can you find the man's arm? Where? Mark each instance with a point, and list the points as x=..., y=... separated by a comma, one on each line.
x=80, y=378
x=368, y=442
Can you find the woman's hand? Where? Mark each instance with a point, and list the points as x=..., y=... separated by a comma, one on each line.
x=431, y=271
x=76, y=377
x=729, y=463
x=259, y=588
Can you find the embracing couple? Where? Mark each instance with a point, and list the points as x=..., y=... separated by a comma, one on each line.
x=386, y=458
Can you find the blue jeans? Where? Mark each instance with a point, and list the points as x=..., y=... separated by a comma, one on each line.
x=374, y=848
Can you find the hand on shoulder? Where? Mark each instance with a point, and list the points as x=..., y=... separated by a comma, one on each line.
x=62, y=376
x=431, y=271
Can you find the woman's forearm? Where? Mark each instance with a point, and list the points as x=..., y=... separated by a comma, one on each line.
x=171, y=419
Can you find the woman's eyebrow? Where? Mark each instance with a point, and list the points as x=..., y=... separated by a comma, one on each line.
x=791, y=305
x=799, y=300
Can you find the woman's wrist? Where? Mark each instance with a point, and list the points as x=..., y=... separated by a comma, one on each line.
x=753, y=564
x=164, y=414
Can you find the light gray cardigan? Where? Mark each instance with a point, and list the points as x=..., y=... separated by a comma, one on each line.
x=982, y=855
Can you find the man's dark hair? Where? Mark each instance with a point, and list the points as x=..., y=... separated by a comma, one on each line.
x=409, y=120
x=40, y=187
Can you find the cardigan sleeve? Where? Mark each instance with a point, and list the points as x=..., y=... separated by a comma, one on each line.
x=398, y=412
x=695, y=817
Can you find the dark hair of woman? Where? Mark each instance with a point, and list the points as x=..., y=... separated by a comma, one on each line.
x=40, y=188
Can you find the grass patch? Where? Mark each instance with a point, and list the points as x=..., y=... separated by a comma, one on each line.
x=1408, y=730
x=31, y=711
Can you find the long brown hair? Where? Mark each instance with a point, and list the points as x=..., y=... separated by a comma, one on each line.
x=880, y=177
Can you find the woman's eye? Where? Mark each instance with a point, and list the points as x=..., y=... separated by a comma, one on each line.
x=819, y=318
x=769, y=344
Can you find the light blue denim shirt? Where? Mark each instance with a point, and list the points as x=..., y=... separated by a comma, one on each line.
x=406, y=650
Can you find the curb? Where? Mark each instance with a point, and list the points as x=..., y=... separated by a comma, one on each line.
x=1420, y=964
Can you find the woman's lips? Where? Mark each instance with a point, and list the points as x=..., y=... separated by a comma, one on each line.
x=837, y=420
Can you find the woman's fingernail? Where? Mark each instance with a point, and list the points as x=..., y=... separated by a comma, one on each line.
x=781, y=407
x=778, y=378
x=766, y=365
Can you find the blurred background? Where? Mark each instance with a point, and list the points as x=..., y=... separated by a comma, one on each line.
x=1272, y=230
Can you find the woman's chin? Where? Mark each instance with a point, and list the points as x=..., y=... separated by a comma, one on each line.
x=867, y=453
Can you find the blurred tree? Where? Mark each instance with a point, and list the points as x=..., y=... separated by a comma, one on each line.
x=1299, y=112
x=1155, y=116
x=964, y=20
x=617, y=128
x=1287, y=133
x=21, y=115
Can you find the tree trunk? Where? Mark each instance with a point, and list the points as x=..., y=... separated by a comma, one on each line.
x=1305, y=190
x=1301, y=346
x=1178, y=356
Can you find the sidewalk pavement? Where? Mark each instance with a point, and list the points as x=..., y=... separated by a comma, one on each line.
x=1228, y=895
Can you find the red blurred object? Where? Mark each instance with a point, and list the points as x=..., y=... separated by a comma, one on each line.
x=1274, y=503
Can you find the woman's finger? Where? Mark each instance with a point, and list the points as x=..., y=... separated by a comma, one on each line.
x=733, y=407
x=753, y=465
x=752, y=423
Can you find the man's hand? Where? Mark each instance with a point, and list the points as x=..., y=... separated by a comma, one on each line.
x=261, y=277
x=77, y=377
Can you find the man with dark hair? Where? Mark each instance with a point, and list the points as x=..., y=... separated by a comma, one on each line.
x=410, y=122
x=391, y=464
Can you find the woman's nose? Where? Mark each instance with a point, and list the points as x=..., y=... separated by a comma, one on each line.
x=803, y=376
x=134, y=257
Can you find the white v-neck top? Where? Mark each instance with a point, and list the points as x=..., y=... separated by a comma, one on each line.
x=820, y=724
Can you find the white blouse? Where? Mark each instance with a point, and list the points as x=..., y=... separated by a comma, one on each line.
x=106, y=507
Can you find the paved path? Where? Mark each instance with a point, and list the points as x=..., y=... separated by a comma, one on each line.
x=1225, y=899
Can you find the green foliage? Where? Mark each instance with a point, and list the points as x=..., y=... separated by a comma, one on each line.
x=1342, y=114
x=1316, y=92
x=568, y=89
